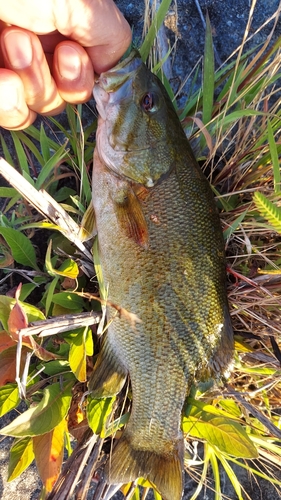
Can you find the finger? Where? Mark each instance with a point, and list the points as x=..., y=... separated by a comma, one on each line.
x=14, y=113
x=30, y=14
x=24, y=55
x=97, y=25
x=73, y=72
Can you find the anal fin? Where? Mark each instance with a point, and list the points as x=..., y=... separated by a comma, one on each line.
x=108, y=376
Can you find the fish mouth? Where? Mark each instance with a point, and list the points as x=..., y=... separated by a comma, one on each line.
x=113, y=79
x=116, y=79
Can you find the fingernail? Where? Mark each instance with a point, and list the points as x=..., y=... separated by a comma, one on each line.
x=69, y=62
x=18, y=49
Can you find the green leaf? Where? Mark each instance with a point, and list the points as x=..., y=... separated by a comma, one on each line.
x=56, y=367
x=69, y=301
x=21, y=456
x=208, y=74
x=63, y=193
x=9, y=398
x=268, y=210
x=26, y=290
x=21, y=247
x=98, y=410
x=6, y=192
x=204, y=410
x=231, y=407
x=228, y=435
x=42, y=418
x=50, y=294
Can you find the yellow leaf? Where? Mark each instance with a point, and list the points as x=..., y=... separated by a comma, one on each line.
x=80, y=347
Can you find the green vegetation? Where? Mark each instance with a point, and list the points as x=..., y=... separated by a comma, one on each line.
x=234, y=122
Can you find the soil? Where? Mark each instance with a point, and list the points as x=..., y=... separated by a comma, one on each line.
x=185, y=27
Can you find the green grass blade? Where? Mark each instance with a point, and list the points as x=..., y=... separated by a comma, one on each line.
x=225, y=121
x=6, y=151
x=59, y=155
x=23, y=163
x=30, y=145
x=235, y=224
x=202, y=480
x=152, y=32
x=231, y=475
x=274, y=158
x=216, y=473
x=44, y=144
x=35, y=134
x=208, y=74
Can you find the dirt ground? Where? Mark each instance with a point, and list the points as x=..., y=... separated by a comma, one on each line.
x=185, y=27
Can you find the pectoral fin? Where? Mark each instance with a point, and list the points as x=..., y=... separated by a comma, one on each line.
x=88, y=224
x=108, y=376
x=131, y=217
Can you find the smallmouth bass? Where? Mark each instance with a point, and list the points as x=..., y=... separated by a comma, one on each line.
x=162, y=256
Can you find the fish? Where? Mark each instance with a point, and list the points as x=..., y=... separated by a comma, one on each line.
x=161, y=252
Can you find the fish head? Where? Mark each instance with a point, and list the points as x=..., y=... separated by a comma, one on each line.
x=138, y=125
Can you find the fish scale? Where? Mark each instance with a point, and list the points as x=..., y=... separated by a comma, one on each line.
x=162, y=257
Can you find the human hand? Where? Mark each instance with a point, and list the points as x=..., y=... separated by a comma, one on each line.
x=39, y=74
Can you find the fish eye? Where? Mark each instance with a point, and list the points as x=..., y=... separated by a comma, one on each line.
x=149, y=102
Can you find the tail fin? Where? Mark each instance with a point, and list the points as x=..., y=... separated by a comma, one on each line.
x=164, y=471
